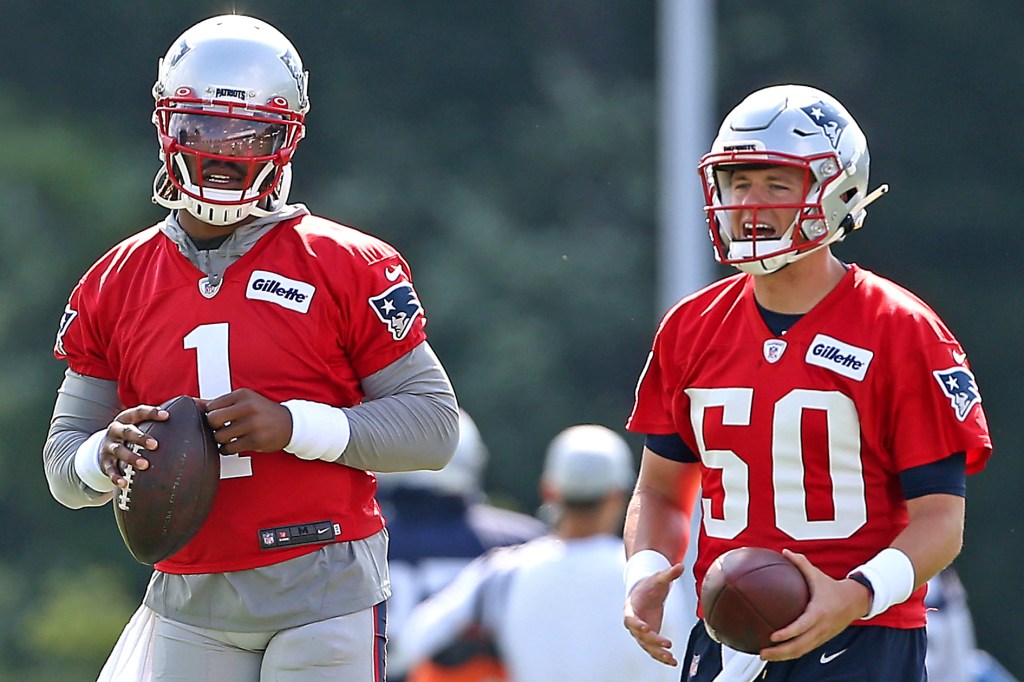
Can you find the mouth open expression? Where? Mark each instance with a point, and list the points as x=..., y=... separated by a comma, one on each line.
x=225, y=174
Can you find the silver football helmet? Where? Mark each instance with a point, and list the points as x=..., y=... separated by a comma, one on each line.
x=231, y=100
x=796, y=126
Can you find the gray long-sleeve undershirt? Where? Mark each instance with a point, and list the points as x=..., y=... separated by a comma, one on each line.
x=409, y=421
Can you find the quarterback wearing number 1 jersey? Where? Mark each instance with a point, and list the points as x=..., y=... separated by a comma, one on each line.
x=305, y=342
x=306, y=313
x=800, y=435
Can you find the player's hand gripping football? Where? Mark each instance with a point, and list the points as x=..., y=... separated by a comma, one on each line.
x=834, y=605
x=644, y=611
x=121, y=435
x=245, y=421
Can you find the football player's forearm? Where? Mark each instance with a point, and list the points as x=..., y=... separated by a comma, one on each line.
x=658, y=515
x=59, y=462
x=402, y=433
x=409, y=420
x=934, y=535
x=653, y=524
x=84, y=405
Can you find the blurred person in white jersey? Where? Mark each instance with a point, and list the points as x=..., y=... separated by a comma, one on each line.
x=438, y=522
x=552, y=606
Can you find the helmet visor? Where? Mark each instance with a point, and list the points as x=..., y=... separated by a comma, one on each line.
x=227, y=136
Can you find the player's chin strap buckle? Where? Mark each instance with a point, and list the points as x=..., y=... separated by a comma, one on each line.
x=299, y=534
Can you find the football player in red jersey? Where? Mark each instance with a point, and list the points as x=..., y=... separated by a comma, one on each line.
x=306, y=340
x=819, y=409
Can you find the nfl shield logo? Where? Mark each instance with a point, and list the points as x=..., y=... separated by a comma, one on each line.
x=773, y=350
x=694, y=665
x=209, y=286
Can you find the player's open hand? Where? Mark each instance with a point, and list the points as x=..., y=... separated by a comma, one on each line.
x=245, y=421
x=834, y=605
x=123, y=442
x=644, y=611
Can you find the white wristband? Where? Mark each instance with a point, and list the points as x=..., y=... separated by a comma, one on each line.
x=87, y=464
x=891, y=574
x=319, y=431
x=643, y=564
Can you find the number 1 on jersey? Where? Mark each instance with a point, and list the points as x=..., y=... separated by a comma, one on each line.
x=210, y=342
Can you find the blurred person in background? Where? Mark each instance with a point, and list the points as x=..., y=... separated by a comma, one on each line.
x=439, y=521
x=953, y=654
x=304, y=338
x=550, y=608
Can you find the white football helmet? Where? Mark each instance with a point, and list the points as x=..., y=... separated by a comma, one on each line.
x=231, y=101
x=796, y=126
x=585, y=462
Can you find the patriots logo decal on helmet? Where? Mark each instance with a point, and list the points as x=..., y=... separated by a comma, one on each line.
x=179, y=51
x=397, y=307
x=826, y=117
x=960, y=387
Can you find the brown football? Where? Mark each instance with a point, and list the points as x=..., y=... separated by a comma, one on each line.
x=750, y=592
x=164, y=505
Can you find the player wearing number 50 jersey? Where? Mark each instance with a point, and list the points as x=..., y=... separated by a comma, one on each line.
x=818, y=408
x=306, y=341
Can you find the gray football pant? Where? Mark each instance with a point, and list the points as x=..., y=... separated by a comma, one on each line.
x=346, y=648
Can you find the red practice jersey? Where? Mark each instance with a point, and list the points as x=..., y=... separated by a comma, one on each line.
x=311, y=309
x=801, y=437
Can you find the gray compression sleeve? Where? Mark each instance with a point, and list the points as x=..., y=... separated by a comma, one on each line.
x=410, y=419
x=84, y=406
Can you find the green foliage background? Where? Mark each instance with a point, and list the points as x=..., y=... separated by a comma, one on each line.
x=509, y=150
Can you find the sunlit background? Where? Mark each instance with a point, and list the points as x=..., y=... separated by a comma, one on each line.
x=511, y=151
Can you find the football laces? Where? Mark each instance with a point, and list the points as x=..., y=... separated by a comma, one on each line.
x=124, y=497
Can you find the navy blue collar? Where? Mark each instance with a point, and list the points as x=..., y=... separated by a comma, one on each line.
x=778, y=323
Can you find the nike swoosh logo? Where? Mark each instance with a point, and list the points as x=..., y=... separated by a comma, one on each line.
x=831, y=657
x=959, y=357
x=321, y=531
x=394, y=273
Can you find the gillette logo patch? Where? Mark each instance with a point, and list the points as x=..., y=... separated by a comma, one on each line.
x=287, y=293
x=841, y=358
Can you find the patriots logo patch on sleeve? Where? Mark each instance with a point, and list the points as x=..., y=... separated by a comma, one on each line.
x=959, y=386
x=398, y=308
